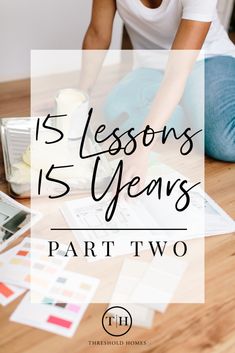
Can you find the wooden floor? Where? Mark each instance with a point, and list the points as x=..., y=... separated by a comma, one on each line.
x=207, y=328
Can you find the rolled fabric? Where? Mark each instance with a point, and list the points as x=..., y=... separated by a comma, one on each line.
x=74, y=104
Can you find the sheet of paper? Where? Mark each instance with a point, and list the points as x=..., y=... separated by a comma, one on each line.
x=130, y=275
x=60, y=316
x=15, y=220
x=159, y=282
x=217, y=220
x=156, y=282
x=84, y=213
x=203, y=218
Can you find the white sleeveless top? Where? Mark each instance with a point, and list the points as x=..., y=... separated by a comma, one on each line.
x=156, y=28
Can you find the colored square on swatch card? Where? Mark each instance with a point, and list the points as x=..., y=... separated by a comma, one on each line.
x=47, y=301
x=38, y=266
x=27, y=279
x=61, y=305
x=8, y=293
x=67, y=293
x=61, y=280
x=5, y=290
x=85, y=286
x=22, y=253
x=16, y=261
x=73, y=307
x=59, y=322
x=51, y=270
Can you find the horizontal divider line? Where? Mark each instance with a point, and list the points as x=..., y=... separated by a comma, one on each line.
x=171, y=229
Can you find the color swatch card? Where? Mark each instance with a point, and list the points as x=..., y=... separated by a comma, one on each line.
x=58, y=316
x=8, y=293
x=15, y=268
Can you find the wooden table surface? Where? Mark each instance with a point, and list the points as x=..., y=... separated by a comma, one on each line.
x=184, y=328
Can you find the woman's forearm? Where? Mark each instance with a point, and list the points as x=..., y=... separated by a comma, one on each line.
x=179, y=67
x=165, y=102
x=186, y=47
x=94, y=50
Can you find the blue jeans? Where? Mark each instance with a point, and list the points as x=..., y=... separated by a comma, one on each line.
x=132, y=97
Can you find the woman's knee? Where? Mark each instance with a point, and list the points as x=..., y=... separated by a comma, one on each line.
x=137, y=88
x=220, y=109
x=220, y=141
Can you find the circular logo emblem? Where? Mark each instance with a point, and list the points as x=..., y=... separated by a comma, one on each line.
x=116, y=321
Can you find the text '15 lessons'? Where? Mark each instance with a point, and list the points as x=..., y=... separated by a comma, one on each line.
x=128, y=143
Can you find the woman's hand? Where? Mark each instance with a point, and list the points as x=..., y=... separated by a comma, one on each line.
x=135, y=169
